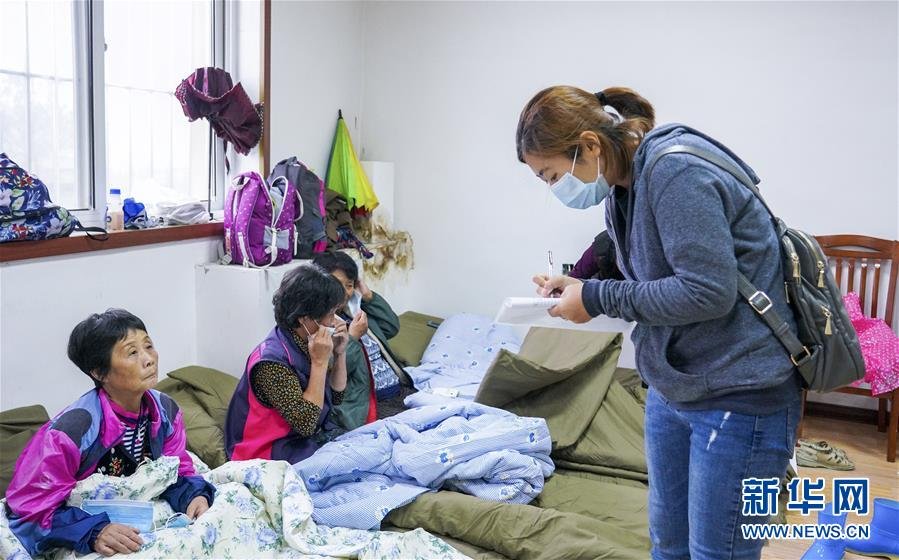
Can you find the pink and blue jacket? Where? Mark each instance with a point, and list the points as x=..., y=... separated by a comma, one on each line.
x=67, y=449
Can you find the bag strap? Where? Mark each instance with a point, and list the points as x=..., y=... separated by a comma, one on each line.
x=757, y=299
x=764, y=308
x=715, y=160
x=103, y=234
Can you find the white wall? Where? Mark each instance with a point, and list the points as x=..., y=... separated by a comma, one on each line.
x=317, y=68
x=806, y=92
x=43, y=299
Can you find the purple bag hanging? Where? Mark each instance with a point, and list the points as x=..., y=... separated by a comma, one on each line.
x=259, y=220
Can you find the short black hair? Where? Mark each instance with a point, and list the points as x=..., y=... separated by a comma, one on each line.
x=92, y=340
x=306, y=291
x=337, y=260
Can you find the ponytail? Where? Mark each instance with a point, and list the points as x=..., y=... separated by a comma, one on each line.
x=630, y=105
x=553, y=120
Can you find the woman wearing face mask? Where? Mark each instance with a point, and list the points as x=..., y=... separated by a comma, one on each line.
x=373, y=377
x=723, y=401
x=110, y=430
x=282, y=406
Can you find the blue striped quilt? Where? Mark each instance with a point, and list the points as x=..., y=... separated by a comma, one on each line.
x=358, y=478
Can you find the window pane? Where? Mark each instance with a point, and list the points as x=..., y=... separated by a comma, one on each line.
x=13, y=39
x=14, y=118
x=153, y=152
x=50, y=38
x=52, y=138
x=37, y=95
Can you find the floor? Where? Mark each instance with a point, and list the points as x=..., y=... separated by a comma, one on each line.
x=866, y=447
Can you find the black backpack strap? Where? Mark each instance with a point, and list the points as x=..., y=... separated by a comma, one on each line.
x=103, y=234
x=762, y=305
x=757, y=299
x=715, y=160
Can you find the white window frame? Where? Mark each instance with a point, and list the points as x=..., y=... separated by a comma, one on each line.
x=90, y=103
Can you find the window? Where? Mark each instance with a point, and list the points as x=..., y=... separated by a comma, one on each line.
x=87, y=98
x=37, y=95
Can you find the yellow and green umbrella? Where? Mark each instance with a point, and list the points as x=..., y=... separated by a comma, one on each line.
x=345, y=174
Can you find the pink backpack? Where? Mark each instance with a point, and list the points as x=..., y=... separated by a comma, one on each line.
x=259, y=220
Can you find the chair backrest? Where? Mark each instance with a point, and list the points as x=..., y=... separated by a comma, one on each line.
x=864, y=259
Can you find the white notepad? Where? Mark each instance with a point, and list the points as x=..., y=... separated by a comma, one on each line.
x=532, y=311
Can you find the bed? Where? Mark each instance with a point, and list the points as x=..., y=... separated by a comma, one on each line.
x=593, y=506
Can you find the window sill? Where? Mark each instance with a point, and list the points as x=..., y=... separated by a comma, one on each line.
x=79, y=243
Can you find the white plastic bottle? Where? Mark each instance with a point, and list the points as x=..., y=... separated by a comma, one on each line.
x=115, y=216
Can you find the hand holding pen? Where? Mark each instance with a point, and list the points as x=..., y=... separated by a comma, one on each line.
x=542, y=280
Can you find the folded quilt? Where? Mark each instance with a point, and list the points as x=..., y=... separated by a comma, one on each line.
x=261, y=510
x=357, y=479
x=459, y=354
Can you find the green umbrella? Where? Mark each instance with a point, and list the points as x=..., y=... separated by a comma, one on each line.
x=345, y=174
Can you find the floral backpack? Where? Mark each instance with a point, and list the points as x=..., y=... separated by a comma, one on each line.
x=26, y=211
x=259, y=221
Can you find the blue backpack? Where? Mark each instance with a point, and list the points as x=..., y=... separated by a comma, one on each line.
x=26, y=211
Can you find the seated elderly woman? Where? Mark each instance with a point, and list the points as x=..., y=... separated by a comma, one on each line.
x=282, y=406
x=111, y=429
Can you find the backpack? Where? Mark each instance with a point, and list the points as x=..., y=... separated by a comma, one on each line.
x=259, y=221
x=311, y=223
x=825, y=349
x=26, y=211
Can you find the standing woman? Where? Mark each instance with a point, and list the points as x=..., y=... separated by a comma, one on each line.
x=723, y=403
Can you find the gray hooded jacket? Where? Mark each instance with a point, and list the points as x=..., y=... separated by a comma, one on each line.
x=681, y=239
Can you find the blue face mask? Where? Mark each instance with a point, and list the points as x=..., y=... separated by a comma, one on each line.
x=330, y=330
x=574, y=193
x=354, y=305
x=127, y=512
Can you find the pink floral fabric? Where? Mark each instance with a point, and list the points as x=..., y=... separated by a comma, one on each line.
x=880, y=348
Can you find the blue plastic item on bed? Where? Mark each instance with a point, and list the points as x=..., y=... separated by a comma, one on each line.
x=132, y=513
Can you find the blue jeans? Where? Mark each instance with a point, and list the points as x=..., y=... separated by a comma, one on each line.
x=697, y=461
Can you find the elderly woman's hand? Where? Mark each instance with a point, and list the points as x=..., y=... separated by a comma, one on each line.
x=197, y=507
x=359, y=326
x=341, y=338
x=320, y=347
x=116, y=537
x=363, y=289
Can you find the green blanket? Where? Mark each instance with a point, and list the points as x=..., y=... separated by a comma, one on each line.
x=595, y=505
x=17, y=426
x=415, y=334
x=203, y=395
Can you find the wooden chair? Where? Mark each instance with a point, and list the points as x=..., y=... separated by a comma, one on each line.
x=864, y=259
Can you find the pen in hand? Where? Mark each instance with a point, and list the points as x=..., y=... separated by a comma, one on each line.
x=551, y=272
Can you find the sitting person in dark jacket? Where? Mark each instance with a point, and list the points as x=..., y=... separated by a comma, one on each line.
x=373, y=378
x=110, y=430
x=282, y=406
x=598, y=261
